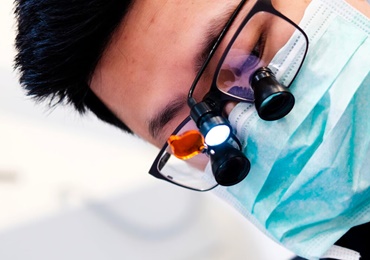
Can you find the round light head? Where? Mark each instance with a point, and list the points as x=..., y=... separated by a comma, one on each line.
x=215, y=130
x=217, y=135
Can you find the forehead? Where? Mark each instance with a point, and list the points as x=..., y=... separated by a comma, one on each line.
x=150, y=59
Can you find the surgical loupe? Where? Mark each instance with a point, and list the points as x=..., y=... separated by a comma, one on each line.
x=229, y=165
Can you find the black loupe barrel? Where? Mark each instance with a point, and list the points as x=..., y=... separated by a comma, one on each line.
x=273, y=100
x=229, y=165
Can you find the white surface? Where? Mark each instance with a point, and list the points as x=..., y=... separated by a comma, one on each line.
x=75, y=188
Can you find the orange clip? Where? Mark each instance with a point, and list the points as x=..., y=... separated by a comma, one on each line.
x=187, y=145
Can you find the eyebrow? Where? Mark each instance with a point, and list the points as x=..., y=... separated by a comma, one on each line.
x=172, y=108
x=213, y=31
x=166, y=114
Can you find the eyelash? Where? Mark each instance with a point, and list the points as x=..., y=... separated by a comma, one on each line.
x=256, y=54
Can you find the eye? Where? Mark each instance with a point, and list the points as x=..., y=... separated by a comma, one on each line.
x=251, y=61
x=255, y=56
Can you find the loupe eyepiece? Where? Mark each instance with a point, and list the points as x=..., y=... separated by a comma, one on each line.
x=272, y=100
x=229, y=165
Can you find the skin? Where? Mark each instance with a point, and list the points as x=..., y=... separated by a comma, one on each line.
x=150, y=60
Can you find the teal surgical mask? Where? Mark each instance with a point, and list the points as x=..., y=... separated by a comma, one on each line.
x=310, y=175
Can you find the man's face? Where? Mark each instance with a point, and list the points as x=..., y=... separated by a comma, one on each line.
x=147, y=69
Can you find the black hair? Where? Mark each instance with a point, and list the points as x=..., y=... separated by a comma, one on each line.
x=59, y=44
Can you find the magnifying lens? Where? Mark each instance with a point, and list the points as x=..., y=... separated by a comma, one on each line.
x=272, y=100
x=229, y=165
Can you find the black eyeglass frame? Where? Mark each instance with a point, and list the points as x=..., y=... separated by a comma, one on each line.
x=259, y=6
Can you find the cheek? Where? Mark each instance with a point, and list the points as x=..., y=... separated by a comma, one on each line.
x=278, y=35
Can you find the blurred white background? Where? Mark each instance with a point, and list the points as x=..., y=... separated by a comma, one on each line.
x=75, y=188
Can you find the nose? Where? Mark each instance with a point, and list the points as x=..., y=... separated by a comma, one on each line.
x=229, y=106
